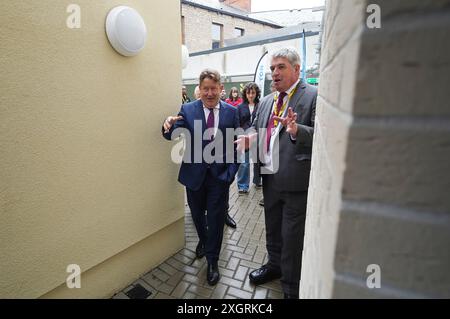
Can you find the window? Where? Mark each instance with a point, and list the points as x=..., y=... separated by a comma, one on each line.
x=217, y=35
x=238, y=32
x=183, y=35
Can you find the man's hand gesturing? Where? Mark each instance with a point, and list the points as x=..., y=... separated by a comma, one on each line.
x=171, y=120
x=289, y=122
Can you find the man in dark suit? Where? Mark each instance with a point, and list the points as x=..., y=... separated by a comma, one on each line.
x=284, y=126
x=209, y=167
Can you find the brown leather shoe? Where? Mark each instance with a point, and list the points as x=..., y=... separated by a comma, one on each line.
x=263, y=275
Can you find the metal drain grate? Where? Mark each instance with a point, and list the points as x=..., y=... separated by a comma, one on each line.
x=138, y=292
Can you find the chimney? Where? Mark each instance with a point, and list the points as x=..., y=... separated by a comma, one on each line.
x=245, y=5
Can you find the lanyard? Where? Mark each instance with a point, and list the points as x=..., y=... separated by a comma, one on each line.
x=281, y=111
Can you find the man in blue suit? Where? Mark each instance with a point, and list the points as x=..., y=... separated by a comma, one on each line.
x=208, y=166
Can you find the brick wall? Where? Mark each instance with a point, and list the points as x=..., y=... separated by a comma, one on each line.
x=198, y=23
x=241, y=4
x=380, y=181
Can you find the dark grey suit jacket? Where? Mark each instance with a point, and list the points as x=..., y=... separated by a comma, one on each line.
x=294, y=157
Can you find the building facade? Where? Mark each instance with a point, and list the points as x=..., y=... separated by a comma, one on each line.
x=207, y=24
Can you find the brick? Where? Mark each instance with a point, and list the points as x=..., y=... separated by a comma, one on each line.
x=225, y=255
x=190, y=270
x=258, y=258
x=274, y=294
x=243, y=256
x=199, y=38
x=226, y=272
x=250, y=251
x=234, y=248
x=167, y=269
x=247, y=286
x=243, y=242
x=219, y=291
x=175, y=263
x=188, y=253
x=396, y=234
x=152, y=280
x=161, y=295
x=241, y=273
x=200, y=291
x=250, y=264
x=231, y=282
x=183, y=259
x=192, y=279
x=236, y=236
x=120, y=295
x=161, y=275
x=239, y=293
x=407, y=44
x=180, y=289
x=393, y=154
x=175, y=278
x=260, y=293
x=189, y=295
x=166, y=288
x=233, y=263
x=198, y=263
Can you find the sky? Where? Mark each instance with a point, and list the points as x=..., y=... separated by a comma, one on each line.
x=264, y=5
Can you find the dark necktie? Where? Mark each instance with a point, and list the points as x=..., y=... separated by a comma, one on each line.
x=210, y=124
x=271, y=124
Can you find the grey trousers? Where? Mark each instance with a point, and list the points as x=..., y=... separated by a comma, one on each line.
x=285, y=215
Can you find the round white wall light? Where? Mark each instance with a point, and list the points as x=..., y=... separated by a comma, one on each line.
x=126, y=30
x=184, y=56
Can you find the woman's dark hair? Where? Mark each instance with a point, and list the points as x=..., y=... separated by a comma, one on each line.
x=248, y=87
x=233, y=89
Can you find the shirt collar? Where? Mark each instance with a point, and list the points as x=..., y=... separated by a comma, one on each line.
x=291, y=88
x=217, y=107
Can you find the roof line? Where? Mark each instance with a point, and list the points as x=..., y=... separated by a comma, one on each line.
x=201, y=6
x=259, y=42
x=293, y=9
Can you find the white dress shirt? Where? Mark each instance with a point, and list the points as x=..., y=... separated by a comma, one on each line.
x=268, y=155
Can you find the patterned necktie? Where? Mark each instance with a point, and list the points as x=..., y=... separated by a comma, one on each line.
x=210, y=123
x=271, y=124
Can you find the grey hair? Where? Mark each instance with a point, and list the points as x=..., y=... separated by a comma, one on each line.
x=288, y=53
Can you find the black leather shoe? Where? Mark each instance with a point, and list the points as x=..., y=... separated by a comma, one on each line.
x=200, y=250
x=289, y=296
x=261, y=202
x=263, y=275
x=230, y=221
x=212, y=275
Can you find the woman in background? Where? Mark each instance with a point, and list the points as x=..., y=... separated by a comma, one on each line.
x=247, y=111
x=234, y=98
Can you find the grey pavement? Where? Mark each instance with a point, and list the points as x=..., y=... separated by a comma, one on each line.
x=182, y=276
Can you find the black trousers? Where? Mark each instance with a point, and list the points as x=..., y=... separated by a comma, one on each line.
x=285, y=215
x=208, y=207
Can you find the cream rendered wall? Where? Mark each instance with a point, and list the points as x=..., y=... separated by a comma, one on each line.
x=84, y=171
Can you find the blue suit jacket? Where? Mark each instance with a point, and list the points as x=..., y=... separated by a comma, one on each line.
x=192, y=175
